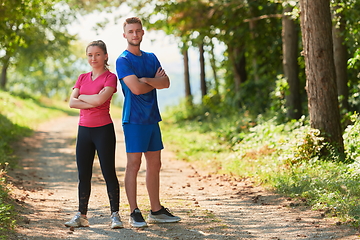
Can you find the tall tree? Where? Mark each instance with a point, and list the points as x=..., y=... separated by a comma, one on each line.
x=290, y=64
x=252, y=57
x=340, y=57
x=238, y=62
x=202, y=70
x=228, y=17
x=39, y=27
x=188, y=95
x=17, y=21
x=214, y=67
x=177, y=20
x=321, y=88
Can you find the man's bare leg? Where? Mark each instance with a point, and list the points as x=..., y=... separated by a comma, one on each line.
x=153, y=166
x=131, y=172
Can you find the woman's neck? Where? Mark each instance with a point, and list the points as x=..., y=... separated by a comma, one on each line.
x=97, y=72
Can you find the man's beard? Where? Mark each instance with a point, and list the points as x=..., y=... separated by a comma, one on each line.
x=134, y=44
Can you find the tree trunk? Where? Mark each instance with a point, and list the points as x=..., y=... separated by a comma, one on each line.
x=321, y=88
x=340, y=59
x=214, y=68
x=202, y=71
x=252, y=25
x=3, y=79
x=290, y=65
x=238, y=61
x=188, y=95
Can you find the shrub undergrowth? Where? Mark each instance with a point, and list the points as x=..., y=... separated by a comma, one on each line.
x=19, y=115
x=285, y=157
x=7, y=222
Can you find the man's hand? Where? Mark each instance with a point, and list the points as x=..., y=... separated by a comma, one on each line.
x=160, y=81
x=160, y=73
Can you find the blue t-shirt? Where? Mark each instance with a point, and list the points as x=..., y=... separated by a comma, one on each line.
x=143, y=108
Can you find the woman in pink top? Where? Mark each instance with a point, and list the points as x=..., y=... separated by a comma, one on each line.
x=92, y=94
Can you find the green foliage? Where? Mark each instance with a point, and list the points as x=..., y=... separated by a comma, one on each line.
x=188, y=148
x=305, y=144
x=209, y=117
x=9, y=132
x=36, y=26
x=349, y=9
x=85, y=6
x=277, y=99
x=37, y=52
x=7, y=212
x=18, y=17
x=232, y=24
x=19, y=114
x=352, y=139
x=290, y=158
x=53, y=75
x=330, y=186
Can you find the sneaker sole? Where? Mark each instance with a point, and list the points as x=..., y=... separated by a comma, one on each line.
x=142, y=225
x=153, y=220
x=117, y=227
x=76, y=226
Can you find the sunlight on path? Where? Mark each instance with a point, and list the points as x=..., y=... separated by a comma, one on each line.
x=211, y=206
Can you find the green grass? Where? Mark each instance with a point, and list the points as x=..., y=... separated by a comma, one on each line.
x=283, y=157
x=20, y=114
x=7, y=212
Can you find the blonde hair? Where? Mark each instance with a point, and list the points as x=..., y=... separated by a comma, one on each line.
x=132, y=20
x=102, y=46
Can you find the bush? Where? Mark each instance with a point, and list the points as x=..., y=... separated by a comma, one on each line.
x=286, y=157
x=352, y=139
x=7, y=213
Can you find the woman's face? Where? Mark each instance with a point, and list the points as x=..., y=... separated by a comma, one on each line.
x=96, y=57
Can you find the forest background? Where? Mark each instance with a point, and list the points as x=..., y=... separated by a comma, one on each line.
x=276, y=96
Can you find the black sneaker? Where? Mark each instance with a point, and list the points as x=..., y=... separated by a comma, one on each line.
x=136, y=219
x=163, y=216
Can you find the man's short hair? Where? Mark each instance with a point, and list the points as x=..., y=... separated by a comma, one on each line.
x=132, y=20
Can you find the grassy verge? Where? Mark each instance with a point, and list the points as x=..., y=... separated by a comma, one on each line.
x=283, y=157
x=19, y=116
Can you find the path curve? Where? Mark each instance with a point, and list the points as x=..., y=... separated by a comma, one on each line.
x=211, y=206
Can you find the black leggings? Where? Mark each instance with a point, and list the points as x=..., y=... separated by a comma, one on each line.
x=103, y=140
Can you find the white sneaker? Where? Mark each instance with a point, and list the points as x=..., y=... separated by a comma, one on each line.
x=78, y=221
x=116, y=221
x=162, y=216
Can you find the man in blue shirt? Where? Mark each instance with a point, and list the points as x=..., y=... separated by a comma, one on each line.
x=140, y=74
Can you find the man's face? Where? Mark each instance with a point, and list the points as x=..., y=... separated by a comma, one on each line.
x=133, y=33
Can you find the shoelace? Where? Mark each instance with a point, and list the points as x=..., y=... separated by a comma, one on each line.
x=168, y=212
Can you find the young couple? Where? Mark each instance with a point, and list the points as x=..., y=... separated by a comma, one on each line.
x=140, y=74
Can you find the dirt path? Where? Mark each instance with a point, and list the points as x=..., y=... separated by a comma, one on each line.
x=211, y=206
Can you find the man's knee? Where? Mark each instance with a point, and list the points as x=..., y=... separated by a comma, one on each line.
x=133, y=166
